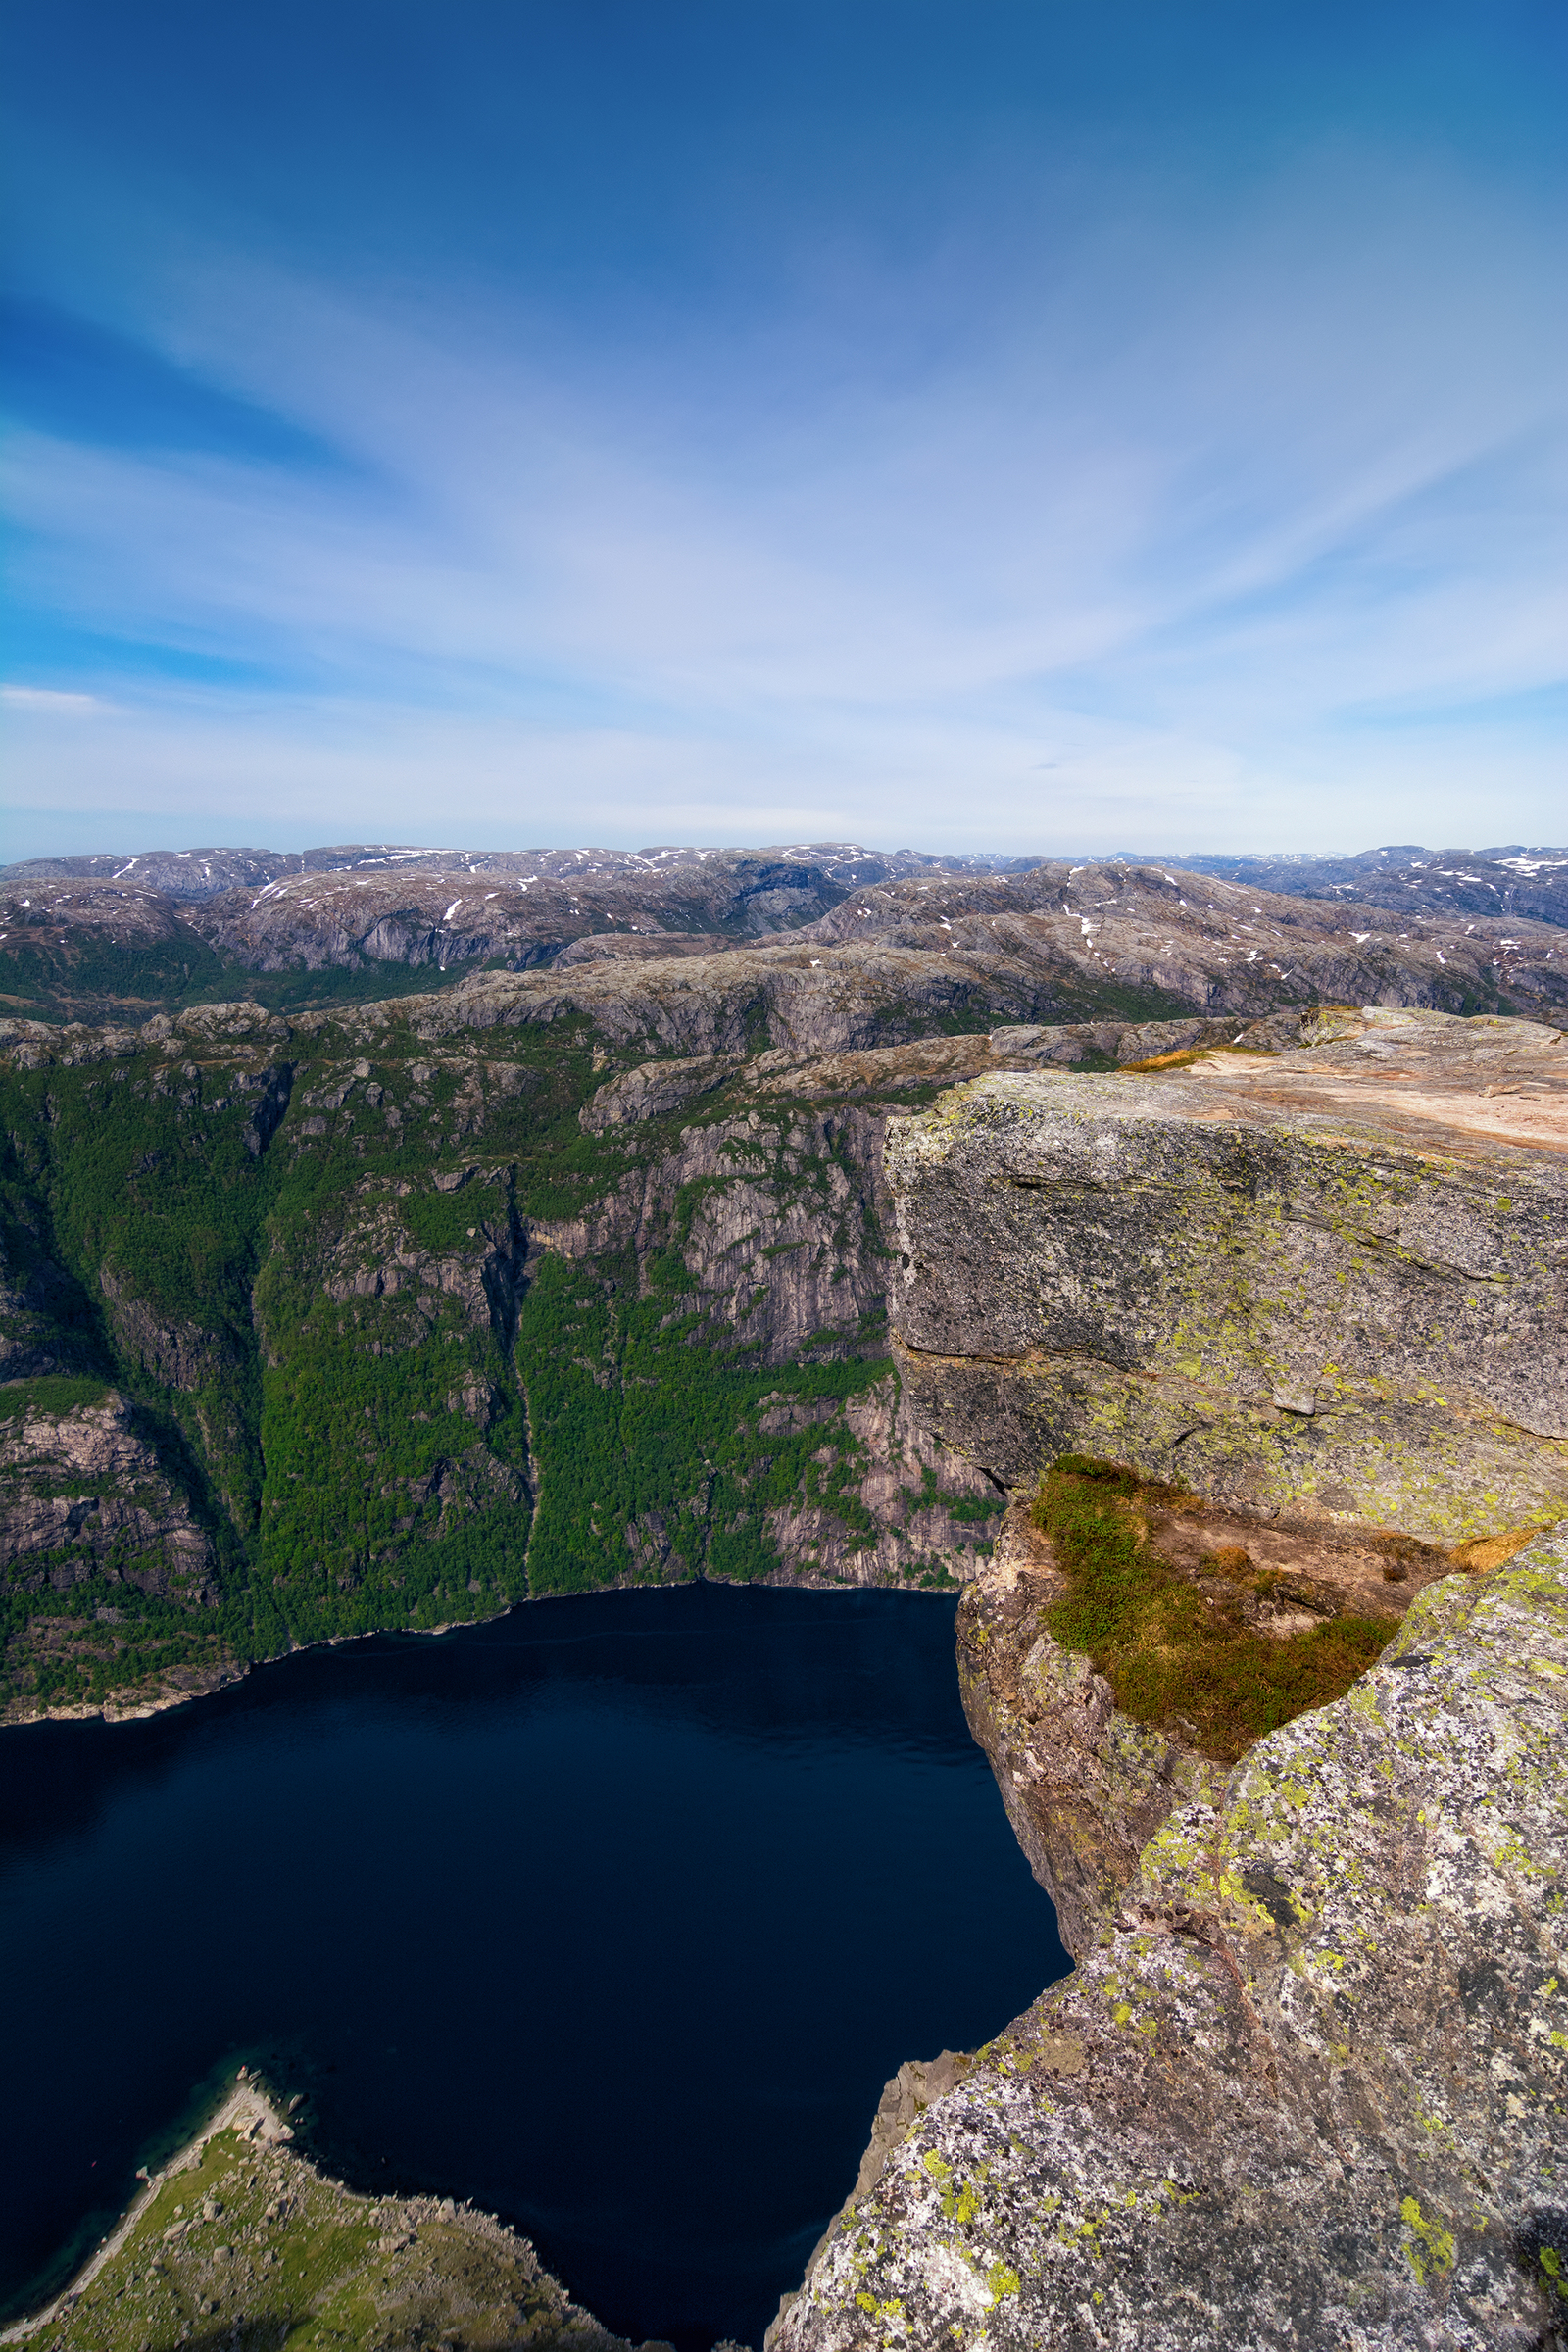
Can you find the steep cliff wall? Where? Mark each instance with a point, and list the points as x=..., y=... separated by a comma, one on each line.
x=105, y=1559
x=421, y=1312
x=1331, y=1279
x=545, y=1283
x=1308, y=2083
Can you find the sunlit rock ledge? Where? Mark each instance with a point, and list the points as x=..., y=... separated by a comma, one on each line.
x=1333, y=1279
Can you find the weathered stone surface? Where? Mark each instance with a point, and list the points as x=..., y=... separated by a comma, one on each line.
x=1316, y=2093
x=89, y=1482
x=1306, y=2085
x=1334, y=1277
x=653, y=1089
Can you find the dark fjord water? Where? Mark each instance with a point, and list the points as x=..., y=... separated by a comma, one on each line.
x=613, y=1916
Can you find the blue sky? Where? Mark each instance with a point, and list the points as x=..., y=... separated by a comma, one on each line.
x=969, y=424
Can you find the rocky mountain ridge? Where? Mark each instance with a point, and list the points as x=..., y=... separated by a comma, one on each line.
x=1509, y=880
x=1061, y=940
x=195, y=875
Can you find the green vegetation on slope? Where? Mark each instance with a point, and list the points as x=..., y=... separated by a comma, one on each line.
x=49, y=976
x=371, y=1301
x=640, y=1433
x=1167, y=1651
x=51, y=1393
x=245, y=2243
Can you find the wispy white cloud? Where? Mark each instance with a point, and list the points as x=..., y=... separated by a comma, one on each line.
x=1129, y=536
x=48, y=700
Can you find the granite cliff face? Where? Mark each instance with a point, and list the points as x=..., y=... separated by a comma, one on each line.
x=1308, y=2083
x=1334, y=1277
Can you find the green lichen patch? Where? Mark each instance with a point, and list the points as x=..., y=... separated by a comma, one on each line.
x=1172, y=1654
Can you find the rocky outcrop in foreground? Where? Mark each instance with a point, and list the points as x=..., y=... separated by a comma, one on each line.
x=1307, y=2084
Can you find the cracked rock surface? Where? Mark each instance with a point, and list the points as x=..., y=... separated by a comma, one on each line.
x=1305, y=2086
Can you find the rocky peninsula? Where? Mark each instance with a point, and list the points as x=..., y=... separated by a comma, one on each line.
x=241, y=2240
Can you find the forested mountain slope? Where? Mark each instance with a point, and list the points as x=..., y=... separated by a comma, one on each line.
x=347, y=1324
x=389, y=1313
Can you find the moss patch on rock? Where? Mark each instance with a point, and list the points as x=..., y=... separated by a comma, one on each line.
x=1171, y=1653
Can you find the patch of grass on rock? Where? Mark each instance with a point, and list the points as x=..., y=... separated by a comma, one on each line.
x=1172, y=1655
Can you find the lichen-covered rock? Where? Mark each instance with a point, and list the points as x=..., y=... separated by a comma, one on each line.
x=1336, y=1276
x=1309, y=2085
